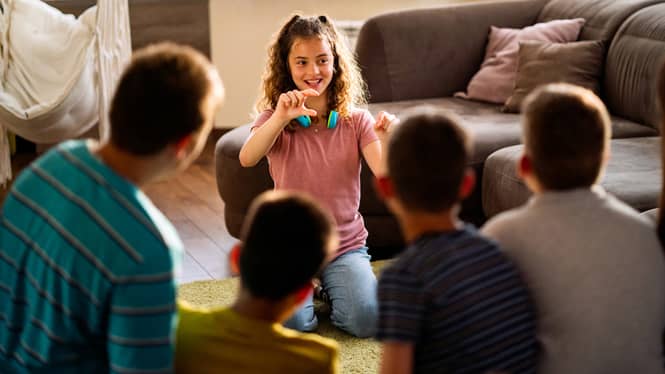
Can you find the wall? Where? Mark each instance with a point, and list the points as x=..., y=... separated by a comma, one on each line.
x=182, y=21
x=241, y=30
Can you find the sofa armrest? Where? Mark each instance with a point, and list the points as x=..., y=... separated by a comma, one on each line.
x=422, y=53
x=238, y=185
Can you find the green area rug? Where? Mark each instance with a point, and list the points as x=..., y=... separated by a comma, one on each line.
x=356, y=355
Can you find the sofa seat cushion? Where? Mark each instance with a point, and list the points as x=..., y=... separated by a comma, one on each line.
x=492, y=129
x=633, y=175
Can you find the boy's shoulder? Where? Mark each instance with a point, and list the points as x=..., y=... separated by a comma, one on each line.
x=436, y=252
x=508, y=218
x=70, y=150
x=233, y=340
x=311, y=340
x=198, y=319
x=563, y=207
x=460, y=265
x=302, y=349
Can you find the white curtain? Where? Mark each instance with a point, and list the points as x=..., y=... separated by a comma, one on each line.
x=58, y=72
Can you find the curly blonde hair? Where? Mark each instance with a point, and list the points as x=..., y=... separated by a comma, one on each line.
x=347, y=88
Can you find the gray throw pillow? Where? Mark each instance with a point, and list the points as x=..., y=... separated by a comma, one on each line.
x=579, y=63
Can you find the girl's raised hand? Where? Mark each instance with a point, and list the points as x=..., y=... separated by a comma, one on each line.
x=384, y=122
x=291, y=104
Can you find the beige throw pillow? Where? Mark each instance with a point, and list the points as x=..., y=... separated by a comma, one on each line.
x=495, y=80
x=579, y=63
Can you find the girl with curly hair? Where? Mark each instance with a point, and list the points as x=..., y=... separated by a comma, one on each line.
x=314, y=134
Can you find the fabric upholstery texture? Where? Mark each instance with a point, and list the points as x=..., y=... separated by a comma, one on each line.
x=652, y=214
x=603, y=17
x=633, y=175
x=495, y=80
x=415, y=54
x=238, y=185
x=57, y=72
x=578, y=63
x=633, y=64
x=490, y=128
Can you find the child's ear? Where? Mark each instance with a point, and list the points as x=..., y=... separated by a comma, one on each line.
x=303, y=293
x=181, y=146
x=384, y=186
x=468, y=182
x=524, y=166
x=234, y=259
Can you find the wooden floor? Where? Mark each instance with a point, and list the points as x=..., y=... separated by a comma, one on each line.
x=193, y=205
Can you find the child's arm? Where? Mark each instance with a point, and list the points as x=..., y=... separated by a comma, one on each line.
x=374, y=152
x=289, y=106
x=397, y=358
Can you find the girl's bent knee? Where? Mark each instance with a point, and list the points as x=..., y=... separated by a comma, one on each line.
x=360, y=320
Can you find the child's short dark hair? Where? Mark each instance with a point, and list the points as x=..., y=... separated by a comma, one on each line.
x=566, y=133
x=160, y=98
x=286, y=239
x=427, y=159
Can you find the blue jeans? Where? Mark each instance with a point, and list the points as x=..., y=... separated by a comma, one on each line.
x=351, y=286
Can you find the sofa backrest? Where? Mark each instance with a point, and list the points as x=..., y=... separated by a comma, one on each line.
x=633, y=63
x=434, y=52
x=603, y=17
x=633, y=31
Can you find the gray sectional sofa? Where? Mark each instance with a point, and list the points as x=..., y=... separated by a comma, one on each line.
x=424, y=56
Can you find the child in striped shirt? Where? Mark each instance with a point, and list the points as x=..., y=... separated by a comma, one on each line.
x=452, y=302
x=87, y=262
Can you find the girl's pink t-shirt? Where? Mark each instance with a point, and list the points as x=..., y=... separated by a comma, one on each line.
x=326, y=164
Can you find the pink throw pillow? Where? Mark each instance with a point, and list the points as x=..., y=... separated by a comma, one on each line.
x=495, y=80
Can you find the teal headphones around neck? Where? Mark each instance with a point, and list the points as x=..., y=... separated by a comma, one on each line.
x=305, y=121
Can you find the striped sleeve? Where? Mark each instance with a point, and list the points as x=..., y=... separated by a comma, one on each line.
x=401, y=306
x=141, y=325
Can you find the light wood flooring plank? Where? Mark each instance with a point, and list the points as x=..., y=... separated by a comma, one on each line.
x=211, y=223
x=191, y=271
x=211, y=258
x=192, y=203
x=186, y=229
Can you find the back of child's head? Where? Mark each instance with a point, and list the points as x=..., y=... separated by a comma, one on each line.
x=347, y=88
x=566, y=134
x=286, y=238
x=162, y=97
x=427, y=159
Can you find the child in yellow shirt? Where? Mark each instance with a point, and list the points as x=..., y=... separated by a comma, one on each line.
x=287, y=239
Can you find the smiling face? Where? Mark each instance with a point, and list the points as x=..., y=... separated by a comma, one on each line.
x=311, y=63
